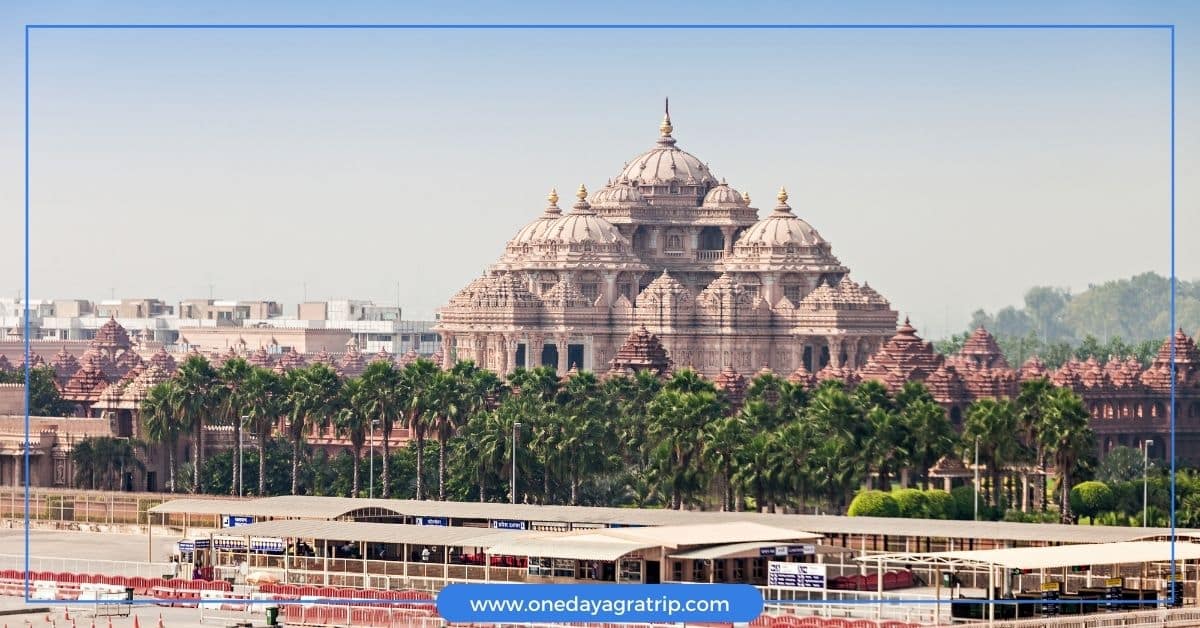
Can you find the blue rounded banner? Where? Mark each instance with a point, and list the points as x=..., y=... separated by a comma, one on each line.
x=614, y=603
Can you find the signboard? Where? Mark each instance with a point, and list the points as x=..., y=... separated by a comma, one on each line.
x=1113, y=593
x=233, y=521
x=788, y=550
x=799, y=575
x=433, y=521
x=504, y=524
x=1114, y=582
x=1050, y=594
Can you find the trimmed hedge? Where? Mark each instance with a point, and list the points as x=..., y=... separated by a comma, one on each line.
x=873, y=504
x=912, y=503
x=940, y=505
x=1091, y=498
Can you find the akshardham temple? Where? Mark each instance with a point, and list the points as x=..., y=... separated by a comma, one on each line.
x=668, y=246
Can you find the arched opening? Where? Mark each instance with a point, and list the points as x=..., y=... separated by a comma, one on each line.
x=711, y=239
x=1158, y=410
x=824, y=357
x=793, y=287
x=589, y=285
x=674, y=242
x=546, y=281
x=808, y=359
x=640, y=239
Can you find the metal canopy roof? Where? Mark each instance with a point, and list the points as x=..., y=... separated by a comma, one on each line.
x=1049, y=557
x=377, y=533
x=587, y=547
x=304, y=507
x=732, y=550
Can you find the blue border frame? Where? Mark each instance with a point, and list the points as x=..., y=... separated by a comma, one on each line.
x=752, y=26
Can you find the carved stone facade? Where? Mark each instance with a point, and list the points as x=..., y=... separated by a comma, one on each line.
x=668, y=246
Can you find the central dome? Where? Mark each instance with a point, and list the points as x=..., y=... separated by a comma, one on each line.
x=666, y=163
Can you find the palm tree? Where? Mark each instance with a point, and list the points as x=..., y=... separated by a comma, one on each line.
x=352, y=422
x=87, y=462
x=994, y=423
x=444, y=401
x=678, y=419
x=413, y=386
x=195, y=386
x=312, y=397
x=932, y=434
x=840, y=457
x=585, y=439
x=266, y=399
x=384, y=403
x=1066, y=436
x=722, y=444
x=161, y=425
x=1032, y=401
x=232, y=403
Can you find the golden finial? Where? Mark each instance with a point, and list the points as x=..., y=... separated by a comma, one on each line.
x=553, y=196
x=582, y=193
x=666, y=127
x=783, y=195
x=746, y=195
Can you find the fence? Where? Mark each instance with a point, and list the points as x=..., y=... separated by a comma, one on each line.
x=86, y=566
x=1174, y=618
x=856, y=605
x=95, y=507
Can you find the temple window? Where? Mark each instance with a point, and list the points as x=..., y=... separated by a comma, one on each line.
x=590, y=290
x=674, y=242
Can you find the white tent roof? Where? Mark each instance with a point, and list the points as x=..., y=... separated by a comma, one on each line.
x=1050, y=557
x=583, y=547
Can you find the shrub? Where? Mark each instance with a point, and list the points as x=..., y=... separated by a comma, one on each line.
x=939, y=504
x=874, y=504
x=1091, y=498
x=912, y=503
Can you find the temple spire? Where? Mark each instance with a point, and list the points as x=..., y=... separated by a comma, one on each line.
x=665, y=128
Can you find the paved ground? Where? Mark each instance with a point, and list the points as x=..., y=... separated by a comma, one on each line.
x=86, y=545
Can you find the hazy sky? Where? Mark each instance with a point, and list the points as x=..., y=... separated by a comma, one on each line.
x=950, y=169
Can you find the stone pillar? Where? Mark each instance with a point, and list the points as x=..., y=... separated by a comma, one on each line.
x=835, y=351
x=479, y=344
x=610, y=288
x=727, y=235
x=770, y=288
x=499, y=353
x=693, y=240
x=533, y=350
x=655, y=235
x=560, y=343
x=852, y=353
x=511, y=343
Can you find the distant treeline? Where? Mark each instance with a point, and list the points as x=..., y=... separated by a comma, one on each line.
x=1121, y=318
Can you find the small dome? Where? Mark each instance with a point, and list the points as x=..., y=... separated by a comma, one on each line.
x=781, y=229
x=620, y=194
x=535, y=230
x=583, y=225
x=723, y=196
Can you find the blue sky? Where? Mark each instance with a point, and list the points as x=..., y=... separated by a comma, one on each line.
x=950, y=169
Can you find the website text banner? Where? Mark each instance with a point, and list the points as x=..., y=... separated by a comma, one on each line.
x=616, y=603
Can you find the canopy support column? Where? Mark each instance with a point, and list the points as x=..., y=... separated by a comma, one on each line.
x=990, y=592
x=325, y=562
x=879, y=588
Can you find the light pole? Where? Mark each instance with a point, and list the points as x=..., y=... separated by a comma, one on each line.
x=976, y=478
x=1145, y=478
x=371, y=467
x=241, y=457
x=516, y=433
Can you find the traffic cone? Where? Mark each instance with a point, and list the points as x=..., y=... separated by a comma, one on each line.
x=110, y=622
x=160, y=622
x=135, y=622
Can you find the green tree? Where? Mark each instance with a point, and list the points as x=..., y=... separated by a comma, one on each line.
x=353, y=421
x=1069, y=440
x=992, y=423
x=722, y=450
x=913, y=503
x=444, y=401
x=1091, y=498
x=678, y=418
x=44, y=399
x=414, y=384
x=1121, y=464
x=266, y=401
x=161, y=425
x=387, y=402
x=313, y=395
x=231, y=403
x=195, y=391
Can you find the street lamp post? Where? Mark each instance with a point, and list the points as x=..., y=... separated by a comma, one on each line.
x=1145, y=479
x=371, y=467
x=516, y=433
x=241, y=457
x=976, y=478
